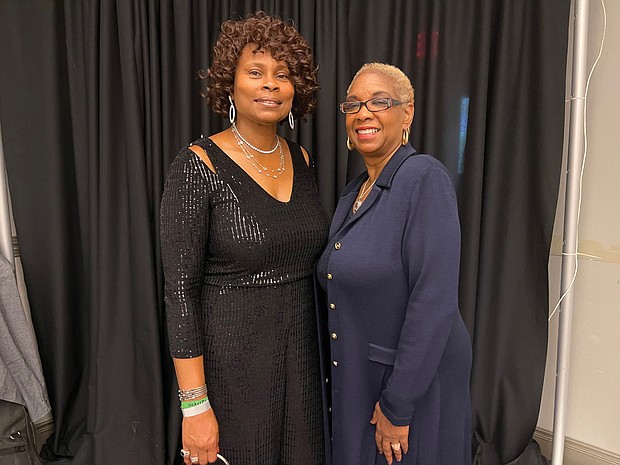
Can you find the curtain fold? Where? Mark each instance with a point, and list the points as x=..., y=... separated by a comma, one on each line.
x=98, y=96
x=507, y=204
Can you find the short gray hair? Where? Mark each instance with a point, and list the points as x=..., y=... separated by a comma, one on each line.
x=402, y=84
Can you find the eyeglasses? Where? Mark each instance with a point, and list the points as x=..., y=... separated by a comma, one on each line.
x=373, y=105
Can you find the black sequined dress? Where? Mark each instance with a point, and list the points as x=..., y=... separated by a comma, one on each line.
x=238, y=268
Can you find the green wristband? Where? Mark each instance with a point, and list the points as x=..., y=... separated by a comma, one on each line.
x=193, y=403
x=197, y=410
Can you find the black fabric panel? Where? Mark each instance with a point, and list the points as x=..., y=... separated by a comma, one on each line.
x=37, y=137
x=88, y=226
x=97, y=97
x=508, y=195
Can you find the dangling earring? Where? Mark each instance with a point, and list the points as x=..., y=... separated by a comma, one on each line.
x=291, y=120
x=232, y=112
x=349, y=144
x=405, y=139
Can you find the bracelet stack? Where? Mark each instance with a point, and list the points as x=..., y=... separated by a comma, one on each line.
x=194, y=393
x=194, y=401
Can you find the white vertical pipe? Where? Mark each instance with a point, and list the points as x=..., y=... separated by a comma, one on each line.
x=571, y=217
x=6, y=236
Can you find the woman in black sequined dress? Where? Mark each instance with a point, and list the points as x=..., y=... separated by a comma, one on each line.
x=241, y=229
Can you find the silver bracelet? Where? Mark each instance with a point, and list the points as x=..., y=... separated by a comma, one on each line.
x=194, y=393
x=197, y=410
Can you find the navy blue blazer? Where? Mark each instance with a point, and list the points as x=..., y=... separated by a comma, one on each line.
x=394, y=330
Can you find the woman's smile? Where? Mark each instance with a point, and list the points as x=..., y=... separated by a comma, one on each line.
x=366, y=132
x=268, y=102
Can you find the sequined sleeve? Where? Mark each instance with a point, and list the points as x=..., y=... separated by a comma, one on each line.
x=184, y=235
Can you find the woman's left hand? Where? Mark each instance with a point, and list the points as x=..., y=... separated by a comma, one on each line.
x=392, y=441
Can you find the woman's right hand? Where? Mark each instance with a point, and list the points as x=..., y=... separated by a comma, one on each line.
x=201, y=437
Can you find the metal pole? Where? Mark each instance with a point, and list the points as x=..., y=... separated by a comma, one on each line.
x=571, y=216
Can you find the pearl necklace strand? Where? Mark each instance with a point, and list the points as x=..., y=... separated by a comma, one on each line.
x=360, y=196
x=262, y=169
x=243, y=141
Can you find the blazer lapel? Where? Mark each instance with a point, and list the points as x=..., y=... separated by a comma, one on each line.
x=344, y=205
x=352, y=189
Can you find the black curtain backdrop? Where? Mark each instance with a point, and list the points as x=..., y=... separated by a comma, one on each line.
x=96, y=98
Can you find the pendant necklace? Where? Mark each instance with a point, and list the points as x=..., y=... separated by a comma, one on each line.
x=363, y=191
x=258, y=166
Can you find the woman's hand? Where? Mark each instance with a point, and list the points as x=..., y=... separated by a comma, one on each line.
x=392, y=441
x=200, y=434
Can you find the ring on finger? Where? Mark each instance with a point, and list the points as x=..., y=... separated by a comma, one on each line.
x=194, y=459
x=396, y=446
x=184, y=453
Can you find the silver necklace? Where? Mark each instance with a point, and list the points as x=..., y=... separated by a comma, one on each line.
x=262, y=169
x=266, y=152
x=360, y=196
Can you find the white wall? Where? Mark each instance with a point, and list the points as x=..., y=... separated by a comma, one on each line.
x=593, y=411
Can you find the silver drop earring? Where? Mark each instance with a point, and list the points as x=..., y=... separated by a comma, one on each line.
x=232, y=112
x=291, y=120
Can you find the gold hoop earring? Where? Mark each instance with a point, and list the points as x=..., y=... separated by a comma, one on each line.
x=349, y=144
x=405, y=138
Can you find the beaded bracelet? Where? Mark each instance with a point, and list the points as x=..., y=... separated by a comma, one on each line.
x=194, y=393
x=197, y=410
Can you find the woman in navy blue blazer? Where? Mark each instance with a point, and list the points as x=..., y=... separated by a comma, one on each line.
x=400, y=354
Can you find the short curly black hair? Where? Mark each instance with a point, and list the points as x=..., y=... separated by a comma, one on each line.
x=281, y=40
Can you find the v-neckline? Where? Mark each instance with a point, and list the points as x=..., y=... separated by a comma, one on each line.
x=254, y=181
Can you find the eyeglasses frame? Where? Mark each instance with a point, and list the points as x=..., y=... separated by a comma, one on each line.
x=391, y=103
